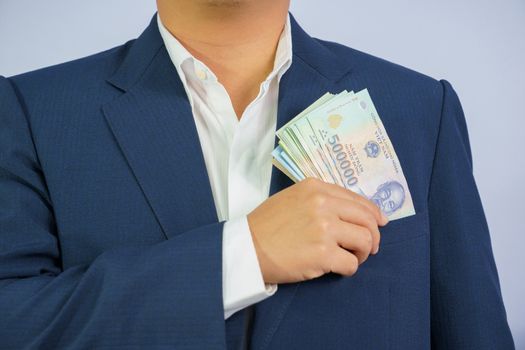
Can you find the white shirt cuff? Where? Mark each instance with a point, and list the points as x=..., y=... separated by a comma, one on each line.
x=242, y=280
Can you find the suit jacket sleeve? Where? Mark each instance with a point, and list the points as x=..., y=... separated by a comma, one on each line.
x=168, y=294
x=467, y=310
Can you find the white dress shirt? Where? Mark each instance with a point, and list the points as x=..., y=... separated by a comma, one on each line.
x=237, y=154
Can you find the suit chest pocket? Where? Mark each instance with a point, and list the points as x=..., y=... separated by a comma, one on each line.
x=404, y=229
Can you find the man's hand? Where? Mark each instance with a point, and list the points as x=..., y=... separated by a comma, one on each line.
x=313, y=228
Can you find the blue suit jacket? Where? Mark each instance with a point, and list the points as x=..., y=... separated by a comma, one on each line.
x=109, y=235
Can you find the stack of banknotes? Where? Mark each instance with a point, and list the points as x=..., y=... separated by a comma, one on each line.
x=341, y=139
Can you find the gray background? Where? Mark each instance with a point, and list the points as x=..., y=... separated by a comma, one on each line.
x=478, y=45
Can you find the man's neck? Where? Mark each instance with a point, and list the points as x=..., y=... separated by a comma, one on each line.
x=236, y=39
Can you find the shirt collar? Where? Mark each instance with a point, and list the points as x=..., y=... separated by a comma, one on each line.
x=179, y=54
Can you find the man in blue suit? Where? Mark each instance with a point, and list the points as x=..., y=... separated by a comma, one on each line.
x=139, y=209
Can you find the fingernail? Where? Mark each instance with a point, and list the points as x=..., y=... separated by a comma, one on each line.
x=385, y=218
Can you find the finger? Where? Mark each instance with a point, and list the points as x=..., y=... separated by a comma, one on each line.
x=343, y=262
x=356, y=213
x=355, y=238
x=343, y=193
x=382, y=219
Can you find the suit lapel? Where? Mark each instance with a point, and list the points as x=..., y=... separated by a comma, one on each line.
x=154, y=126
x=297, y=89
x=314, y=71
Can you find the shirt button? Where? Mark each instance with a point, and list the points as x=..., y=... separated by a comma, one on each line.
x=201, y=73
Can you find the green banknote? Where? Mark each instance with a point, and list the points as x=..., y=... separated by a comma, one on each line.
x=340, y=139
